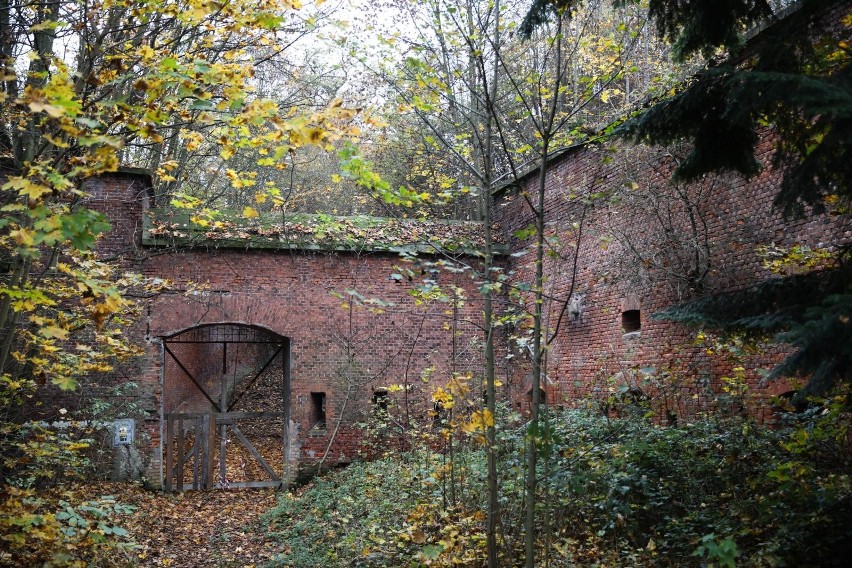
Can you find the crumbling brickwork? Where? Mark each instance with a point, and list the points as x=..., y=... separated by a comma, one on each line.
x=625, y=243
x=641, y=244
x=353, y=329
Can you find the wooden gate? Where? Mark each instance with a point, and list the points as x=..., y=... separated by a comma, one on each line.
x=191, y=456
x=226, y=408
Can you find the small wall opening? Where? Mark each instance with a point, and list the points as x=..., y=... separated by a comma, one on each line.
x=439, y=414
x=380, y=400
x=631, y=321
x=318, y=410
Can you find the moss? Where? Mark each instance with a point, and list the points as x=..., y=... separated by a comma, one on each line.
x=275, y=230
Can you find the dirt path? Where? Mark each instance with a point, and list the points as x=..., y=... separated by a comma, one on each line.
x=195, y=528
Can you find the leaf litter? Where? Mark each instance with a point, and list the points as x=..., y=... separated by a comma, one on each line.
x=218, y=528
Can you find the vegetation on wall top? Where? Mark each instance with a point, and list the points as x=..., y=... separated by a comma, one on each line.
x=302, y=231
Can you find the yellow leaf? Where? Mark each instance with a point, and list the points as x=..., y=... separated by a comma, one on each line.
x=315, y=135
x=250, y=213
x=23, y=237
x=146, y=52
x=59, y=143
x=101, y=311
x=54, y=331
x=54, y=111
x=479, y=421
x=26, y=187
x=193, y=140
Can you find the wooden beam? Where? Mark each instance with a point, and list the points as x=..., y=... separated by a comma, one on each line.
x=199, y=453
x=170, y=452
x=211, y=443
x=181, y=456
x=255, y=453
x=247, y=484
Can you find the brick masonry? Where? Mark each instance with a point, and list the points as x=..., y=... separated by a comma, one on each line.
x=640, y=244
x=643, y=243
x=343, y=344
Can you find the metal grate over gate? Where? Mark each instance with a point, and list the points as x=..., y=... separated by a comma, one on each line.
x=226, y=408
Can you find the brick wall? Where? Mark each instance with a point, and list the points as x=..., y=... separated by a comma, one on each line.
x=342, y=343
x=645, y=244
x=639, y=242
x=339, y=347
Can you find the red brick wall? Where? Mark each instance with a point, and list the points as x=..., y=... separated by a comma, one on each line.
x=346, y=350
x=297, y=295
x=592, y=356
x=342, y=348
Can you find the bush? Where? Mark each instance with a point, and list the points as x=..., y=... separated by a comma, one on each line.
x=389, y=512
x=38, y=524
x=718, y=491
x=49, y=531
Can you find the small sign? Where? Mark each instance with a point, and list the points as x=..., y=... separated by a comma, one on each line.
x=123, y=432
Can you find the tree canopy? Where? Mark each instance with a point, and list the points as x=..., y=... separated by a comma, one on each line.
x=89, y=86
x=793, y=75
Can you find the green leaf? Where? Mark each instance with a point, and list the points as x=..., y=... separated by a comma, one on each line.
x=432, y=551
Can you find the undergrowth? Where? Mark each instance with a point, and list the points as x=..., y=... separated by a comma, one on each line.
x=626, y=492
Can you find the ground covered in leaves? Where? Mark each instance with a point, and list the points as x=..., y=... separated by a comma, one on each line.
x=718, y=491
x=193, y=528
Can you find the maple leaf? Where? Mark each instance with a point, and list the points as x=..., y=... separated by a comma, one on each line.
x=54, y=331
x=26, y=187
x=54, y=111
x=99, y=314
x=64, y=382
x=23, y=237
x=479, y=421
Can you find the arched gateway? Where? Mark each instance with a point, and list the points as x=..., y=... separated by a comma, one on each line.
x=226, y=408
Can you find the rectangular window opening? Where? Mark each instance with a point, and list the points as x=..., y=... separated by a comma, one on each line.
x=317, y=410
x=380, y=400
x=631, y=321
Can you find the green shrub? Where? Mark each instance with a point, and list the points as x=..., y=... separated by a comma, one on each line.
x=388, y=512
x=627, y=492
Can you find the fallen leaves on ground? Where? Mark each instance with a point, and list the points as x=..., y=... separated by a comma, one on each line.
x=194, y=528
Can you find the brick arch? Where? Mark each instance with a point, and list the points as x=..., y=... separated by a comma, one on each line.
x=173, y=314
x=240, y=324
x=205, y=365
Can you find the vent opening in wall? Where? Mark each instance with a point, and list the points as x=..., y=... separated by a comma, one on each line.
x=380, y=400
x=631, y=321
x=317, y=410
